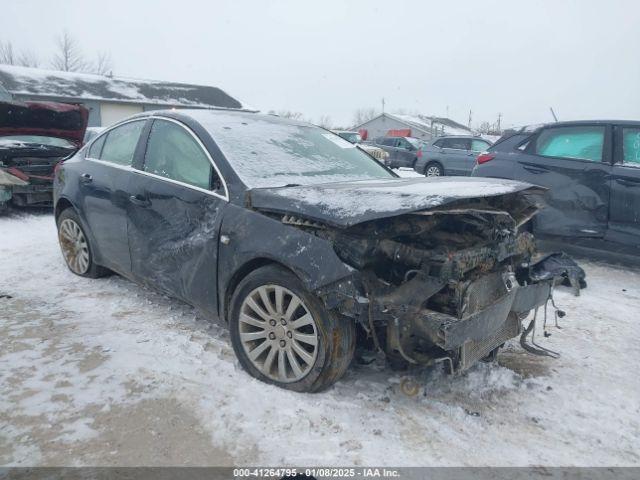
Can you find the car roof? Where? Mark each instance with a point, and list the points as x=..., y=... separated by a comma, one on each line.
x=573, y=123
x=218, y=114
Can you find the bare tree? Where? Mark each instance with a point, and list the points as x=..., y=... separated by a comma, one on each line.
x=6, y=53
x=324, y=121
x=290, y=114
x=9, y=56
x=362, y=115
x=103, y=64
x=28, y=59
x=68, y=58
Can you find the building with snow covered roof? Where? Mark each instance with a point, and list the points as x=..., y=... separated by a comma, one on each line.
x=418, y=126
x=108, y=99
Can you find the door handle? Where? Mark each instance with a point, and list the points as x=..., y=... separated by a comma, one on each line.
x=140, y=200
x=86, y=178
x=534, y=169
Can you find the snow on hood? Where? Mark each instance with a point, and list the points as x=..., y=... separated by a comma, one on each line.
x=48, y=119
x=345, y=204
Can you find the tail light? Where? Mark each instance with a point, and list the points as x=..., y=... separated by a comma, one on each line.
x=484, y=158
x=419, y=154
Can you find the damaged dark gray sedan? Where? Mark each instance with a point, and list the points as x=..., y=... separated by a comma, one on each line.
x=302, y=242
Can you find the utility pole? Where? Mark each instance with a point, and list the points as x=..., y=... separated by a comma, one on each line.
x=498, y=124
x=469, y=125
x=382, y=104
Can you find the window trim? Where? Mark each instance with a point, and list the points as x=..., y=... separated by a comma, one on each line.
x=133, y=169
x=104, y=134
x=178, y=182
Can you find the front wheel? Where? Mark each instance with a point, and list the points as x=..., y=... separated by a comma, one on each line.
x=433, y=169
x=283, y=335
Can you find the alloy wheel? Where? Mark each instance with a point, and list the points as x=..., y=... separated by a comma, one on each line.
x=278, y=333
x=74, y=246
x=433, y=171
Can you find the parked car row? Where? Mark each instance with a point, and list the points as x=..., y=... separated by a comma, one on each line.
x=447, y=155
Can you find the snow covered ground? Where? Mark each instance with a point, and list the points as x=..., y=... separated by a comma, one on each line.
x=104, y=372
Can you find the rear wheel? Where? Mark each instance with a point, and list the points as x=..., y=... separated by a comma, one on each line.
x=75, y=246
x=283, y=335
x=433, y=169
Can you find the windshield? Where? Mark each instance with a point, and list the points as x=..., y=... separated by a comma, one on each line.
x=268, y=152
x=352, y=137
x=38, y=139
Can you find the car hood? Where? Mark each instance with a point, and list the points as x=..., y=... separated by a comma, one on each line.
x=344, y=204
x=49, y=119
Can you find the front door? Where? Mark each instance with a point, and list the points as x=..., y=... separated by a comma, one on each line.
x=104, y=179
x=574, y=162
x=624, y=214
x=175, y=210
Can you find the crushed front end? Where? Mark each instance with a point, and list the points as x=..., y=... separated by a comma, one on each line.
x=447, y=285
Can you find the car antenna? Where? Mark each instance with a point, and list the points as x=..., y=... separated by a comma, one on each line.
x=553, y=113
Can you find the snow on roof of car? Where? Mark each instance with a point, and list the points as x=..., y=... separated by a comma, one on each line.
x=85, y=86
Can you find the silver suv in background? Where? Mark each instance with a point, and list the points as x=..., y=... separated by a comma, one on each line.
x=450, y=155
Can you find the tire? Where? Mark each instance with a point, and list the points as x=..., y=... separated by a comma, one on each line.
x=75, y=246
x=265, y=330
x=433, y=169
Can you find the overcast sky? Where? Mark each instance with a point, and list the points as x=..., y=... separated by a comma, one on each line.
x=332, y=57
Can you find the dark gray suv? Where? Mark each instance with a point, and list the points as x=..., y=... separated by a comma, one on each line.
x=451, y=155
x=402, y=150
x=592, y=171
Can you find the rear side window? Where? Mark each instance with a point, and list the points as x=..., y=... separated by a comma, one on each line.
x=584, y=143
x=389, y=142
x=120, y=143
x=173, y=153
x=631, y=145
x=479, y=145
x=96, y=148
x=457, y=143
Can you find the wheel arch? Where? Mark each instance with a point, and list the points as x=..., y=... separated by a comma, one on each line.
x=62, y=204
x=431, y=162
x=241, y=273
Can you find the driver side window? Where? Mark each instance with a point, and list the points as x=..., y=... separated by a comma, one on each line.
x=173, y=153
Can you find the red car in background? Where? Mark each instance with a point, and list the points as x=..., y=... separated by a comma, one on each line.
x=34, y=138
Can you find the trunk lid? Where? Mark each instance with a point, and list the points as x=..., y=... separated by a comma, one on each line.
x=344, y=204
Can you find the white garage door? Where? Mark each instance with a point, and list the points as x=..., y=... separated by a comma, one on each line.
x=113, y=112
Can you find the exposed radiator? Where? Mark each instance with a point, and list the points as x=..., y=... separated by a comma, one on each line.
x=472, y=351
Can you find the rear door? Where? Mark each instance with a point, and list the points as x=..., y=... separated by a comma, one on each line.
x=456, y=153
x=176, y=204
x=104, y=180
x=624, y=214
x=574, y=162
